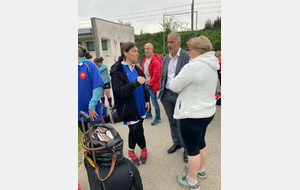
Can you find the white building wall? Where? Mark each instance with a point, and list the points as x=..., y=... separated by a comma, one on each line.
x=84, y=42
x=115, y=34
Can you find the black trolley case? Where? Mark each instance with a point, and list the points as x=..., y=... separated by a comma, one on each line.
x=123, y=176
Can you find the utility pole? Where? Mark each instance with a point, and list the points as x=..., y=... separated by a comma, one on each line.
x=192, y=25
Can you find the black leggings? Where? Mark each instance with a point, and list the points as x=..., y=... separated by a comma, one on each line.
x=193, y=134
x=136, y=135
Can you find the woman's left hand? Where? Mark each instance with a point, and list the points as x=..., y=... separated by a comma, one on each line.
x=147, y=106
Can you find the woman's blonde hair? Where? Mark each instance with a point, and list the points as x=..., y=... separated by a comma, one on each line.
x=200, y=42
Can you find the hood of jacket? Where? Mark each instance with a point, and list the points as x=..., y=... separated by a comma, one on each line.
x=155, y=56
x=208, y=58
x=116, y=68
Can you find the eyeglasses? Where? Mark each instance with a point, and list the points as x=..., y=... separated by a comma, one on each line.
x=189, y=49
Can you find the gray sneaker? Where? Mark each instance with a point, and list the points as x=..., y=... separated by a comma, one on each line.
x=202, y=175
x=183, y=180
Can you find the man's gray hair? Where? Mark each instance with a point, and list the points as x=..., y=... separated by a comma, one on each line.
x=150, y=45
x=178, y=35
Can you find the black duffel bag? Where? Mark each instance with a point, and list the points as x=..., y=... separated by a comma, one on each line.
x=104, y=149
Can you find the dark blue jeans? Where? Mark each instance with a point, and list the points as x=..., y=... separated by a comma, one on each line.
x=154, y=102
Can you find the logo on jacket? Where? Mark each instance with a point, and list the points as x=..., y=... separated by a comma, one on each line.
x=82, y=75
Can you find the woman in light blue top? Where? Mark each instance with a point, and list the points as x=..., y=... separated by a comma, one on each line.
x=106, y=80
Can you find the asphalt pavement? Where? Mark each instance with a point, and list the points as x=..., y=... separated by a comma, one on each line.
x=161, y=169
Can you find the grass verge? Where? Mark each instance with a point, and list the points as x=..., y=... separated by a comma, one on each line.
x=79, y=139
x=80, y=134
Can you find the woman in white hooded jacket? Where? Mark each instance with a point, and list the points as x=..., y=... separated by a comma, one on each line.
x=195, y=106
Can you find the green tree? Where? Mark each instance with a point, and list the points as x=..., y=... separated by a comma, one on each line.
x=217, y=23
x=172, y=24
x=213, y=34
x=208, y=25
x=124, y=23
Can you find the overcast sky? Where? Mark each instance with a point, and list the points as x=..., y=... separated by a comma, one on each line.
x=146, y=15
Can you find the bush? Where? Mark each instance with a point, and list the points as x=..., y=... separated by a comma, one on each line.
x=213, y=33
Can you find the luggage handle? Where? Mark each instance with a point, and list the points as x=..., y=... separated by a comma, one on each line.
x=83, y=114
x=87, y=118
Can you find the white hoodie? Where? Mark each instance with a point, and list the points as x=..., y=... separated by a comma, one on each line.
x=196, y=84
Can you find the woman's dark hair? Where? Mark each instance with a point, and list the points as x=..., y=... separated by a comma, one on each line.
x=126, y=47
x=83, y=52
x=98, y=60
x=120, y=58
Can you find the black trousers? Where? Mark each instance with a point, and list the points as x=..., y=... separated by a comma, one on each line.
x=136, y=135
x=168, y=100
x=219, y=74
x=193, y=134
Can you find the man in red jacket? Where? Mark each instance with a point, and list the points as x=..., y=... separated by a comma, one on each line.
x=152, y=69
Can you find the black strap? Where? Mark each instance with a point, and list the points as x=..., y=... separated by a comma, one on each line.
x=130, y=172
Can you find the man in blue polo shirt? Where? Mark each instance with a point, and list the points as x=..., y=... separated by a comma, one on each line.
x=90, y=87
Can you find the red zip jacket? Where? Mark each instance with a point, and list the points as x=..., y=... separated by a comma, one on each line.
x=154, y=71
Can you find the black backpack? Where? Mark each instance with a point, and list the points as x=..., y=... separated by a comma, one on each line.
x=107, y=118
x=114, y=115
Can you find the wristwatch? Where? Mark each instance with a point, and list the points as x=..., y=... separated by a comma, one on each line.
x=136, y=83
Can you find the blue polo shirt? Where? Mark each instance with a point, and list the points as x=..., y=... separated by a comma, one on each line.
x=138, y=93
x=89, y=78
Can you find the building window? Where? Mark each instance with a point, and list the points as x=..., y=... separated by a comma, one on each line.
x=90, y=46
x=104, y=45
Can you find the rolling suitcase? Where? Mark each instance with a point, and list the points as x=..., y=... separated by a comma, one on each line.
x=119, y=174
x=125, y=176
